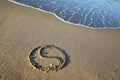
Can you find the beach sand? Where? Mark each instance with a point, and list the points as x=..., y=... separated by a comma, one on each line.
x=93, y=54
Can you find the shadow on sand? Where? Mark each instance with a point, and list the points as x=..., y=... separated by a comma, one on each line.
x=64, y=62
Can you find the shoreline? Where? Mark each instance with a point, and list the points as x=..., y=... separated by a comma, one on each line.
x=92, y=54
x=79, y=25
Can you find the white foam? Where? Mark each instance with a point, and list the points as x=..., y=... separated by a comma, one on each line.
x=61, y=18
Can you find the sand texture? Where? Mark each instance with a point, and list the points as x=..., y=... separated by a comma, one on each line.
x=91, y=54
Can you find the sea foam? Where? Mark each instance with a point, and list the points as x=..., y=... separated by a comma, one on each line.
x=100, y=14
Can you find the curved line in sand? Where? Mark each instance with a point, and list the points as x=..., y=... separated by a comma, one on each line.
x=52, y=68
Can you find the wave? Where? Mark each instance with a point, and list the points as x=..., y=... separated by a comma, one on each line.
x=87, y=13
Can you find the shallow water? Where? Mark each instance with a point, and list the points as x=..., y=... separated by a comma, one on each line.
x=88, y=13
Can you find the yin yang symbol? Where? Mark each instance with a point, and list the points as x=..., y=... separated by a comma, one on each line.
x=47, y=58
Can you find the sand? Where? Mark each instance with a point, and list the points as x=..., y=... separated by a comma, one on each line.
x=93, y=54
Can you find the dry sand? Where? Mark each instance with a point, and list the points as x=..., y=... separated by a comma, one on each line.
x=94, y=54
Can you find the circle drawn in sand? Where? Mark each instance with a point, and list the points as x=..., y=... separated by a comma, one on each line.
x=40, y=53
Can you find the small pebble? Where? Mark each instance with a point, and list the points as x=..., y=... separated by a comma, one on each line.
x=98, y=76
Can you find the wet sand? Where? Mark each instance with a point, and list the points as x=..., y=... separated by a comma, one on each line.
x=93, y=54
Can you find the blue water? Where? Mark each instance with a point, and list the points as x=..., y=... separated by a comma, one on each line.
x=89, y=13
